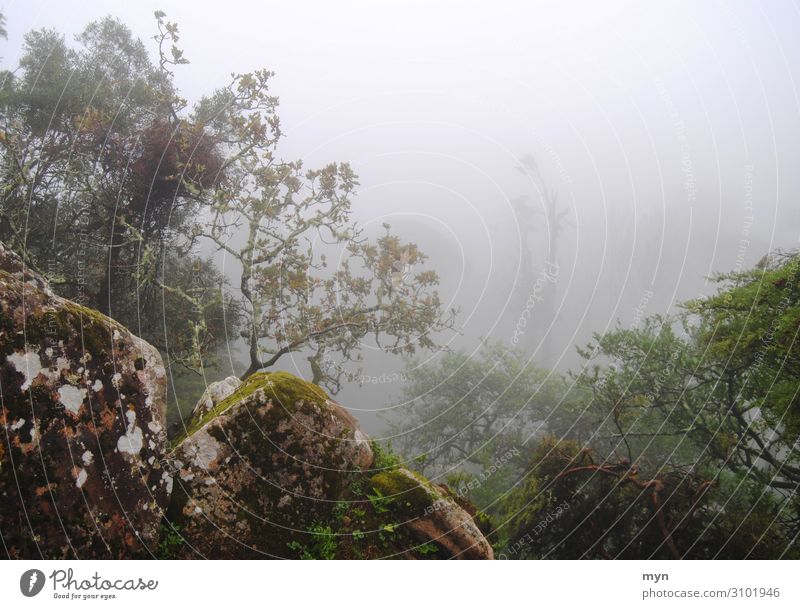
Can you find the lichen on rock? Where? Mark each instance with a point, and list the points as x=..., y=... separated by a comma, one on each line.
x=83, y=424
x=267, y=467
x=213, y=395
x=278, y=469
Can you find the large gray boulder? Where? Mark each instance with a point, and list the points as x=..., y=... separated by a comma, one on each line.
x=277, y=469
x=82, y=424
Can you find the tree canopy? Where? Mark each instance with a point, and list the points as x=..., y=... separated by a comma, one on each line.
x=676, y=439
x=123, y=194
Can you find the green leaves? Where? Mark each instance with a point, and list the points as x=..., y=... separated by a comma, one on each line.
x=379, y=503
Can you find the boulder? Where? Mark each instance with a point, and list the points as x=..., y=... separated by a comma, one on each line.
x=268, y=467
x=278, y=469
x=433, y=514
x=213, y=395
x=82, y=416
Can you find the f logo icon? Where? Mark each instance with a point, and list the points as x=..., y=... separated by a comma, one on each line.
x=31, y=582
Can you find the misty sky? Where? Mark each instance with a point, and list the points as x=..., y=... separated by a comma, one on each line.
x=668, y=129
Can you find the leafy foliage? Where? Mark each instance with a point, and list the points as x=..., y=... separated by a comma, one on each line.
x=678, y=438
x=112, y=183
x=102, y=172
x=472, y=419
x=574, y=507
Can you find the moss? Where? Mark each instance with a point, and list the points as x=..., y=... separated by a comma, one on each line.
x=410, y=491
x=82, y=329
x=95, y=329
x=282, y=388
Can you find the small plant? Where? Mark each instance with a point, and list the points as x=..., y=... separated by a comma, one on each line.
x=297, y=547
x=322, y=547
x=379, y=502
x=171, y=540
x=340, y=510
x=428, y=548
x=384, y=457
x=324, y=543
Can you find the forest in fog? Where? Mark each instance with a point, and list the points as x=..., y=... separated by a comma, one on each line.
x=518, y=285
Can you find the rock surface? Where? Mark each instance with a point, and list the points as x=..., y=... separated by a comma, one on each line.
x=269, y=467
x=433, y=514
x=82, y=423
x=214, y=394
x=277, y=469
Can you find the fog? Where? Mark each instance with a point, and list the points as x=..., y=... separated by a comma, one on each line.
x=668, y=132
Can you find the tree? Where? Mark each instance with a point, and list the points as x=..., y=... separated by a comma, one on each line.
x=752, y=326
x=282, y=216
x=573, y=505
x=713, y=389
x=725, y=388
x=101, y=174
x=111, y=180
x=555, y=221
x=475, y=418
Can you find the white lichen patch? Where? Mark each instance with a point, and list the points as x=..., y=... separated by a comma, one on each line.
x=87, y=457
x=81, y=478
x=62, y=363
x=203, y=449
x=98, y=386
x=167, y=480
x=361, y=440
x=214, y=394
x=71, y=397
x=19, y=423
x=28, y=364
x=133, y=440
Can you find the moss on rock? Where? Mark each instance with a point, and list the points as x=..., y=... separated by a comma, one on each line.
x=410, y=491
x=277, y=469
x=281, y=388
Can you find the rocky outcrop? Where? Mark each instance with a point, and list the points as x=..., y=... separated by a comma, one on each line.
x=269, y=467
x=433, y=514
x=82, y=425
x=277, y=469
